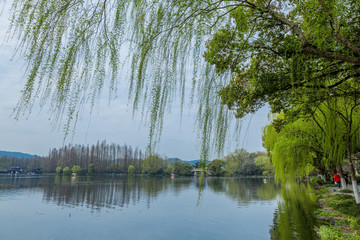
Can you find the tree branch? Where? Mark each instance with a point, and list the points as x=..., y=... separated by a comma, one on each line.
x=336, y=33
x=309, y=48
x=331, y=55
x=347, y=43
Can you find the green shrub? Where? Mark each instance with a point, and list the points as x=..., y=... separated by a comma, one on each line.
x=342, y=197
x=329, y=233
x=332, y=233
x=355, y=223
x=131, y=169
x=347, y=206
x=91, y=170
x=342, y=222
x=323, y=191
x=67, y=171
x=81, y=172
x=59, y=170
x=76, y=169
x=317, y=181
x=346, y=191
x=328, y=214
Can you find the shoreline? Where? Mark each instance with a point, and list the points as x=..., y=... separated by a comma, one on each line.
x=337, y=214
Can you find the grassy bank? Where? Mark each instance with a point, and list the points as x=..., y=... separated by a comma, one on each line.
x=338, y=214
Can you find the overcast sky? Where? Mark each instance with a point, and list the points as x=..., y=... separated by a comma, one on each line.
x=110, y=121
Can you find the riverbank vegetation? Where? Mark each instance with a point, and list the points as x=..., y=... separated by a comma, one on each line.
x=316, y=212
x=338, y=214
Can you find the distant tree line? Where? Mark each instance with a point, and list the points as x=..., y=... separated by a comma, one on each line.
x=100, y=157
x=115, y=158
x=241, y=163
x=7, y=162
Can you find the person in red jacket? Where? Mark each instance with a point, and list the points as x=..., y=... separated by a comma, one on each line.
x=337, y=179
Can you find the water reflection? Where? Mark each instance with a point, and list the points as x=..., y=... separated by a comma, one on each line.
x=98, y=192
x=245, y=190
x=232, y=208
x=294, y=218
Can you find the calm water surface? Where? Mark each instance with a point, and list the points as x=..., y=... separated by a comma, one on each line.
x=49, y=207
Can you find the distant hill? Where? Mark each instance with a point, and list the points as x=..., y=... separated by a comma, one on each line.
x=192, y=162
x=16, y=154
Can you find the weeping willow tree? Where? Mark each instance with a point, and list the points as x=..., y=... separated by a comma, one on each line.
x=339, y=122
x=74, y=49
x=343, y=118
x=320, y=141
x=296, y=148
x=281, y=52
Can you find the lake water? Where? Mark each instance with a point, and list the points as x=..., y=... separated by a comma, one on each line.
x=49, y=207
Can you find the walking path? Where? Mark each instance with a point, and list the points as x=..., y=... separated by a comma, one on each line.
x=334, y=190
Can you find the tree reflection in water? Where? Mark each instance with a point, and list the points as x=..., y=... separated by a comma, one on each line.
x=97, y=192
x=109, y=192
x=294, y=218
x=245, y=190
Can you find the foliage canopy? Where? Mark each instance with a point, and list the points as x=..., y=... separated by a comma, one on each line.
x=281, y=52
x=319, y=141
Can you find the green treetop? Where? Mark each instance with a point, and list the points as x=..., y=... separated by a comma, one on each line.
x=288, y=52
x=322, y=140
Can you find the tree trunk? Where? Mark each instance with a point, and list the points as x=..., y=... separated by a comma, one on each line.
x=342, y=178
x=343, y=183
x=353, y=178
x=322, y=176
